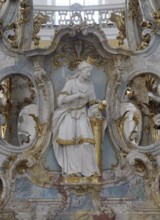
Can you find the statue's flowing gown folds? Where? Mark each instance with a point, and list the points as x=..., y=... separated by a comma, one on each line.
x=73, y=140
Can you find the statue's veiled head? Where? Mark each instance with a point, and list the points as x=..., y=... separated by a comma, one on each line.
x=84, y=69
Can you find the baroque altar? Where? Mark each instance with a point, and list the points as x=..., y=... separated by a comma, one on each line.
x=114, y=112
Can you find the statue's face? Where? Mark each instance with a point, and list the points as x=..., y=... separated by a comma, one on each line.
x=85, y=73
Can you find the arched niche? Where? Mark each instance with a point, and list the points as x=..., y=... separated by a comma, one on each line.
x=26, y=91
x=137, y=126
x=69, y=47
x=17, y=92
x=72, y=48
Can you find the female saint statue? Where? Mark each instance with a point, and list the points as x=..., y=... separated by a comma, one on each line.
x=73, y=140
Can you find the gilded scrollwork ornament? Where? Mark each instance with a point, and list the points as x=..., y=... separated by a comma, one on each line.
x=120, y=22
x=1, y=27
x=24, y=12
x=156, y=16
x=11, y=34
x=4, y=108
x=15, y=163
x=144, y=163
x=38, y=126
x=140, y=93
x=146, y=34
x=133, y=6
x=120, y=123
x=147, y=165
x=38, y=20
x=72, y=53
x=14, y=31
x=130, y=93
x=138, y=112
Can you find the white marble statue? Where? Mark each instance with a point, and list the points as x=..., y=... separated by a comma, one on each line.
x=73, y=140
x=153, y=97
x=156, y=98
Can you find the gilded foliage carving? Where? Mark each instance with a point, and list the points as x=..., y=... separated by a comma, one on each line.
x=73, y=53
x=38, y=20
x=133, y=6
x=146, y=34
x=156, y=16
x=120, y=22
x=24, y=12
x=14, y=31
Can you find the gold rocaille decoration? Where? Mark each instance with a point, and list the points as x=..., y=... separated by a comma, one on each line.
x=81, y=180
x=145, y=39
x=130, y=93
x=38, y=126
x=156, y=16
x=24, y=12
x=90, y=60
x=119, y=20
x=5, y=107
x=93, y=102
x=1, y=27
x=3, y=128
x=80, y=140
x=140, y=166
x=38, y=20
x=133, y=6
x=73, y=52
x=102, y=105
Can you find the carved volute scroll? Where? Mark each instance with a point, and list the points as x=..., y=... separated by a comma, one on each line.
x=120, y=22
x=16, y=23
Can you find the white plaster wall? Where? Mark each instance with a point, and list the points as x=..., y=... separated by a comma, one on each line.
x=47, y=34
x=114, y=1
x=40, y=2
x=52, y=2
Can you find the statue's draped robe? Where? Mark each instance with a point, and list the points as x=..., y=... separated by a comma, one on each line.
x=73, y=140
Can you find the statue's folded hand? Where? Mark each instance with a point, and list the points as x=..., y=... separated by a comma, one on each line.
x=150, y=94
x=80, y=95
